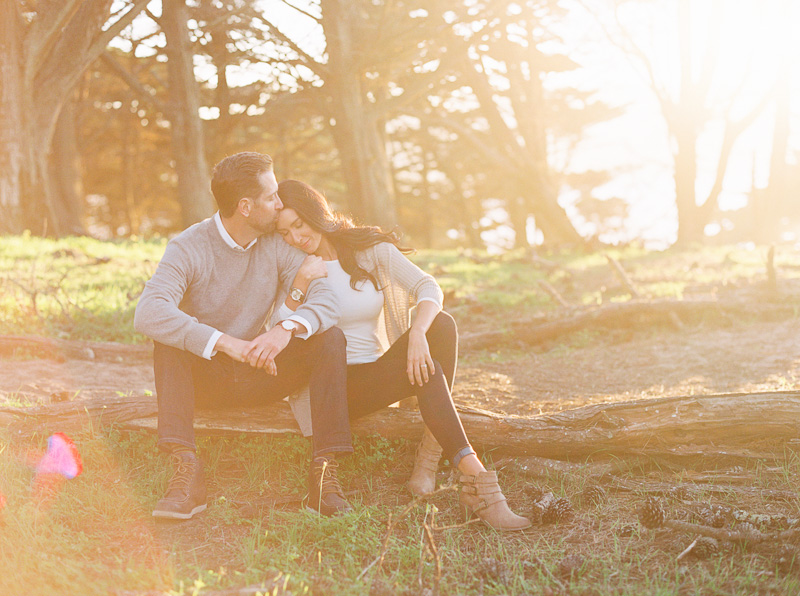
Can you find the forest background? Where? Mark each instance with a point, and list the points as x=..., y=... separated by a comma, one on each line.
x=470, y=123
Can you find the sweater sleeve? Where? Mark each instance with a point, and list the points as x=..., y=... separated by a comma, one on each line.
x=158, y=314
x=321, y=307
x=420, y=286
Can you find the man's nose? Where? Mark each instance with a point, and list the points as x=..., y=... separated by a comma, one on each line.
x=278, y=203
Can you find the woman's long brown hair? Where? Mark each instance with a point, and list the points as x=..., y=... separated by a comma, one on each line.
x=346, y=237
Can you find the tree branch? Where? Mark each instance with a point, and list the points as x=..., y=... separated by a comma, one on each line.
x=303, y=12
x=100, y=43
x=44, y=34
x=733, y=131
x=319, y=69
x=132, y=82
x=631, y=48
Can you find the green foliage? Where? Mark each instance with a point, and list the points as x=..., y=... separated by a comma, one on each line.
x=76, y=288
x=79, y=288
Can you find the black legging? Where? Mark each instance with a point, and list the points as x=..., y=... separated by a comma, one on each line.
x=375, y=385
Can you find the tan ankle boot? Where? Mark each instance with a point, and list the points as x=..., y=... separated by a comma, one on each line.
x=423, y=476
x=481, y=496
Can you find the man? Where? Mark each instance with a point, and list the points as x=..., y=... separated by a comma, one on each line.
x=206, y=307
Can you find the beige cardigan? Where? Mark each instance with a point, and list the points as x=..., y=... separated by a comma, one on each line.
x=404, y=285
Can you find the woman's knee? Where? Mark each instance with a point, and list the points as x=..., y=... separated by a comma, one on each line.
x=444, y=324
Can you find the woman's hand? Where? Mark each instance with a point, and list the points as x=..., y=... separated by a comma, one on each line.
x=420, y=364
x=313, y=267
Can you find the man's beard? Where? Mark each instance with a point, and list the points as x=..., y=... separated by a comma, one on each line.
x=266, y=228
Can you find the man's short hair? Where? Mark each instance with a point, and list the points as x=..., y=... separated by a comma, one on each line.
x=236, y=177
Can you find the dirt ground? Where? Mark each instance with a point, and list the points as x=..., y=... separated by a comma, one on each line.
x=620, y=365
x=610, y=366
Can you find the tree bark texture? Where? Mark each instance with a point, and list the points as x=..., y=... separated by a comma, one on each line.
x=357, y=130
x=44, y=60
x=11, y=137
x=733, y=426
x=65, y=172
x=188, y=147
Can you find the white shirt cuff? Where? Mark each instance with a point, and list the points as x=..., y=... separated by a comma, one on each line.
x=309, y=330
x=210, y=351
x=426, y=299
x=284, y=312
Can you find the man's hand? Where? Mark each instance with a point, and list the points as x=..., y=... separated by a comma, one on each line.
x=233, y=347
x=261, y=352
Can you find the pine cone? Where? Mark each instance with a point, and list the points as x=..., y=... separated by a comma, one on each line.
x=705, y=547
x=594, y=495
x=570, y=566
x=534, y=493
x=714, y=516
x=652, y=514
x=746, y=528
x=560, y=510
x=678, y=493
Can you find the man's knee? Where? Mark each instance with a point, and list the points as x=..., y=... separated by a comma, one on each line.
x=332, y=340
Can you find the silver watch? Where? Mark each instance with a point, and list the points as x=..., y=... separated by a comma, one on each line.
x=297, y=294
x=289, y=325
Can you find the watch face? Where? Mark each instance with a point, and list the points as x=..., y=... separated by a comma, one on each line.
x=297, y=295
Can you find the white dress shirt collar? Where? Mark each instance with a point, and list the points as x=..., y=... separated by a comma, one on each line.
x=227, y=237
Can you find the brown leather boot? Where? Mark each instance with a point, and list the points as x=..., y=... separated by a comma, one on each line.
x=186, y=491
x=423, y=476
x=325, y=494
x=481, y=496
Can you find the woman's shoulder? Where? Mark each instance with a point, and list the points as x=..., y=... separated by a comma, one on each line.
x=385, y=249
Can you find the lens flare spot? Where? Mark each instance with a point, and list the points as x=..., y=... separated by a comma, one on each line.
x=62, y=458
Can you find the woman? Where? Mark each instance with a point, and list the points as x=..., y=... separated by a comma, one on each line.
x=377, y=286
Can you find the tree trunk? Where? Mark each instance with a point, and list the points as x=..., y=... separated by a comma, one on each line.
x=188, y=148
x=11, y=137
x=129, y=152
x=60, y=43
x=775, y=201
x=518, y=217
x=65, y=172
x=357, y=128
x=690, y=228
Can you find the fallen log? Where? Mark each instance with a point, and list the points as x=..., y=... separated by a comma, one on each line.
x=739, y=427
x=61, y=349
x=626, y=315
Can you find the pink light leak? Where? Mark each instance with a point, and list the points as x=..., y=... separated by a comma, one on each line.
x=62, y=458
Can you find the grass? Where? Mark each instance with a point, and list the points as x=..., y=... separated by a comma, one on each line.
x=75, y=288
x=79, y=288
x=95, y=534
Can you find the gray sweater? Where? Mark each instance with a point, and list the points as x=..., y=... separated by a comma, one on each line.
x=203, y=285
